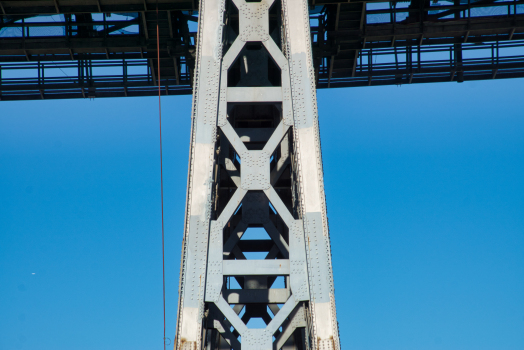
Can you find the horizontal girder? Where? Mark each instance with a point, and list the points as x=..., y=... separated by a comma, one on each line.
x=107, y=48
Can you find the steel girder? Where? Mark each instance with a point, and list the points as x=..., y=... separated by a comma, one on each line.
x=255, y=162
x=79, y=49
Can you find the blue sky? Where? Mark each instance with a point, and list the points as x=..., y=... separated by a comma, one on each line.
x=425, y=195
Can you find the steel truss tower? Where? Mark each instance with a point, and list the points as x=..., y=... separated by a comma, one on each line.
x=255, y=162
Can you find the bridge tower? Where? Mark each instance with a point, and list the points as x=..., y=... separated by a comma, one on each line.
x=255, y=170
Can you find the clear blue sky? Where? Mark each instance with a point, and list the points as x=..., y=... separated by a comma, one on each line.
x=425, y=193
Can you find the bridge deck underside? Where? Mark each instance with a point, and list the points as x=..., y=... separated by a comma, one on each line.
x=107, y=48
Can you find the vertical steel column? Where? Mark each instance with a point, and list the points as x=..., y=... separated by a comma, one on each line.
x=200, y=177
x=255, y=163
x=311, y=181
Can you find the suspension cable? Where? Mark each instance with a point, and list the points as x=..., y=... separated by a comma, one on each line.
x=161, y=172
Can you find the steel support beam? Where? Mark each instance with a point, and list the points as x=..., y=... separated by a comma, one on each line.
x=201, y=165
x=342, y=43
x=255, y=165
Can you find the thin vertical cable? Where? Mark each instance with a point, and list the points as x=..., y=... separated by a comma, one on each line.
x=161, y=172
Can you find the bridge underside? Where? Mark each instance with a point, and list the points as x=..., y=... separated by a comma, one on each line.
x=107, y=48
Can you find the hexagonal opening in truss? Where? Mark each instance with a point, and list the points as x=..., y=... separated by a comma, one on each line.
x=254, y=66
x=257, y=319
x=255, y=232
x=254, y=123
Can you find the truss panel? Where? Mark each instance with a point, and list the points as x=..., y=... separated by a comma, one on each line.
x=256, y=165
